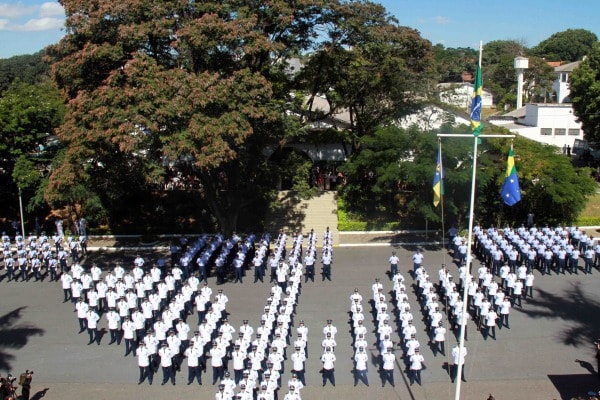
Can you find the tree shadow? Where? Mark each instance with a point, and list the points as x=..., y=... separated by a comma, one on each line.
x=572, y=305
x=14, y=335
x=573, y=385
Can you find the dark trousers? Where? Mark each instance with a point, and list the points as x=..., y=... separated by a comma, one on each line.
x=454, y=373
x=129, y=346
x=310, y=273
x=67, y=293
x=387, y=375
x=82, y=324
x=239, y=273
x=327, y=271
x=258, y=274
x=194, y=373
x=93, y=332
x=439, y=348
x=415, y=376
x=361, y=375
x=300, y=375
x=168, y=373
x=114, y=335
x=328, y=374
x=218, y=373
x=146, y=372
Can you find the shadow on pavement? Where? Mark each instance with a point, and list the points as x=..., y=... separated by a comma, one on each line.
x=14, y=335
x=571, y=305
x=570, y=386
x=40, y=394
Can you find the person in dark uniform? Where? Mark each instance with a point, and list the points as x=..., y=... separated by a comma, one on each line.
x=26, y=385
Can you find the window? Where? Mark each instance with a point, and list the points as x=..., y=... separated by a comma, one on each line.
x=564, y=77
x=546, y=131
x=574, y=132
x=560, y=131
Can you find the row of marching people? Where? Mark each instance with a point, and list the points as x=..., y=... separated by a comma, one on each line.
x=259, y=364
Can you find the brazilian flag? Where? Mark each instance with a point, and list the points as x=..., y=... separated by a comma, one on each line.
x=476, y=104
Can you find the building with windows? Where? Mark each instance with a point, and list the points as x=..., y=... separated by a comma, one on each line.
x=561, y=84
x=553, y=124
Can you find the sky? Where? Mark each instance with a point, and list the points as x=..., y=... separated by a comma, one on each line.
x=27, y=26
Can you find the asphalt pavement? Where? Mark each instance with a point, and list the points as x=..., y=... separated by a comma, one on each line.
x=546, y=354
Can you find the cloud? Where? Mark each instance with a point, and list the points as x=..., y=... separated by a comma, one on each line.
x=15, y=10
x=47, y=16
x=52, y=10
x=441, y=20
x=41, y=24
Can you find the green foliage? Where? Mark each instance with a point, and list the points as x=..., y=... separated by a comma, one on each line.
x=25, y=173
x=401, y=187
x=587, y=221
x=368, y=67
x=584, y=83
x=569, y=45
x=452, y=62
x=28, y=68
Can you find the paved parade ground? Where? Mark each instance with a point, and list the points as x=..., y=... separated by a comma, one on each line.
x=547, y=353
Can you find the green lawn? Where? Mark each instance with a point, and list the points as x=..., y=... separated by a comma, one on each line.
x=591, y=214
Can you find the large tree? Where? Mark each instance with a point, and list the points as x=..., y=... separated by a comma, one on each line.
x=569, y=45
x=370, y=67
x=584, y=83
x=160, y=86
x=393, y=174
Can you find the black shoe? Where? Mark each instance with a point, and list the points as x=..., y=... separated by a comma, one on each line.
x=162, y=383
x=140, y=382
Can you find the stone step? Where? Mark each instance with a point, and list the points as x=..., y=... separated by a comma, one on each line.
x=292, y=213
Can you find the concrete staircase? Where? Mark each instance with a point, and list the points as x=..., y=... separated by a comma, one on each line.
x=292, y=213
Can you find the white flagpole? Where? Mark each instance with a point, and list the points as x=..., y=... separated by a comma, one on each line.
x=469, y=265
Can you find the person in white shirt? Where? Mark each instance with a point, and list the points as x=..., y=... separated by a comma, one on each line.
x=113, y=320
x=458, y=357
x=490, y=324
x=193, y=354
x=388, y=360
x=82, y=308
x=330, y=328
x=393, y=260
x=361, y=359
x=328, y=360
x=66, y=280
x=529, y=278
x=439, y=337
x=166, y=362
x=417, y=261
x=128, y=328
x=92, y=318
x=143, y=356
x=298, y=358
x=416, y=365
x=504, y=312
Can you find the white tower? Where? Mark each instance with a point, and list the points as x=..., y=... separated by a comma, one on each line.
x=521, y=64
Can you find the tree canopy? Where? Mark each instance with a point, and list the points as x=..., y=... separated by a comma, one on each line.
x=200, y=90
x=392, y=179
x=569, y=45
x=584, y=83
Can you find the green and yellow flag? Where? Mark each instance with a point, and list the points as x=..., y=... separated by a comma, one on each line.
x=476, y=125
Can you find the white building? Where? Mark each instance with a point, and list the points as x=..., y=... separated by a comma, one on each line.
x=561, y=84
x=432, y=117
x=553, y=124
x=461, y=94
